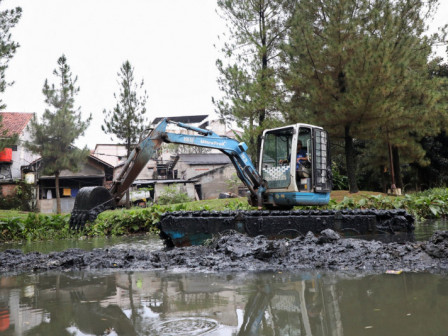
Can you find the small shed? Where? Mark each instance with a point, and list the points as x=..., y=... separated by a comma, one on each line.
x=94, y=172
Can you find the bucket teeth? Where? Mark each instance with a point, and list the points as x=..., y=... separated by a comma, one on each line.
x=89, y=203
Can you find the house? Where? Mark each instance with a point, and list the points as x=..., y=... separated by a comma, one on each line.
x=94, y=172
x=222, y=179
x=113, y=154
x=12, y=159
x=211, y=173
x=188, y=166
x=177, y=167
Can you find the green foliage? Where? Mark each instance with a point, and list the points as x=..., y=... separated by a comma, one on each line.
x=359, y=68
x=429, y=204
x=127, y=119
x=340, y=182
x=134, y=220
x=233, y=182
x=238, y=205
x=6, y=139
x=173, y=194
x=432, y=203
x=35, y=227
x=21, y=199
x=8, y=19
x=248, y=79
x=61, y=125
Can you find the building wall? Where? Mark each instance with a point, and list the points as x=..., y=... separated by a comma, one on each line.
x=50, y=205
x=7, y=190
x=21, y=157
x=147, y=172
x=91, y=173
x=186, y=171
x=111, y=153
x=182, y=187
x=215, y=182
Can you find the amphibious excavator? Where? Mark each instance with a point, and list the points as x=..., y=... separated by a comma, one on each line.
x=287, y=176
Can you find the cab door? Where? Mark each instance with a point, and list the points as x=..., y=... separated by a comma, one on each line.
x=321, y=161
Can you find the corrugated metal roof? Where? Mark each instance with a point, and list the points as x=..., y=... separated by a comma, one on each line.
x=14, y=122
x=204, y=159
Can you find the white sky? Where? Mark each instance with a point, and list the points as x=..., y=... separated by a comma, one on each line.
x=169, y=43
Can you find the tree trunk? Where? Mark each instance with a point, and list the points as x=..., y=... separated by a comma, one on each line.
x=128, y=147
x=397, y=169
x=58, y=196
x=128, y=200
x=350, y=161
x=384, y=179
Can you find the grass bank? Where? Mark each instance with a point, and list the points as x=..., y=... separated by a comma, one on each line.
x=15, y=225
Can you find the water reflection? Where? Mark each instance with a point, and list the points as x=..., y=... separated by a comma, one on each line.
x=424, y=230
x=147, y=303
x=149, y=242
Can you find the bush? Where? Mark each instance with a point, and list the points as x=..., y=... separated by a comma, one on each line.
x=35, y=227
x=21, y=199
x=429, y=204
x=340, y=182
x=173, y=194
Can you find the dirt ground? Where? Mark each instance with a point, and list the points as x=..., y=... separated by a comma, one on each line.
x=237, y=252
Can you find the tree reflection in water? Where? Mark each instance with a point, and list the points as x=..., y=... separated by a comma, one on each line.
x=150, y=303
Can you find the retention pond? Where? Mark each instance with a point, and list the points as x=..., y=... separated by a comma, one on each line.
x=236, y=286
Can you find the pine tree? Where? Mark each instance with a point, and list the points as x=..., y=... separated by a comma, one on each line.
x=8, y=19
x=61, y=125
x=248, y=77
x=435, y=172
x=358, y=69
x=127, y=119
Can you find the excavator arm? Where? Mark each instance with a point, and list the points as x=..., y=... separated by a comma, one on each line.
x=235, y=150
x=91, y=201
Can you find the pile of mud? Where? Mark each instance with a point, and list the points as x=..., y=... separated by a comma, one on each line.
x=237, y=252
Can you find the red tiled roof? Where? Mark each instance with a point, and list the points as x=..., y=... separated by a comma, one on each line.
x=14, y=122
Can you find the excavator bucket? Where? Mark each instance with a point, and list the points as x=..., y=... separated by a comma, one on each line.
x=89, y=202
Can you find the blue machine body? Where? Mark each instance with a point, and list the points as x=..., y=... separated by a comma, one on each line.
x=273, y=185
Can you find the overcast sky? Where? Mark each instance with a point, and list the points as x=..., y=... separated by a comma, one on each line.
x=170, y=43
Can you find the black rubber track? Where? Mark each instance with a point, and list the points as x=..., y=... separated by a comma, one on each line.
x=280, y=224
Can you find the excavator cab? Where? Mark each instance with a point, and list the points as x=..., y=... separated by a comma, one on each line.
x=295, y=166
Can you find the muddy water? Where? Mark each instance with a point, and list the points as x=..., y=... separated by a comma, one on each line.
x=152, y=242
x=141, y=242
x=240, y=303
x=149, y=303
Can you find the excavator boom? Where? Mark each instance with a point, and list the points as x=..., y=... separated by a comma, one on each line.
x=88, y=203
